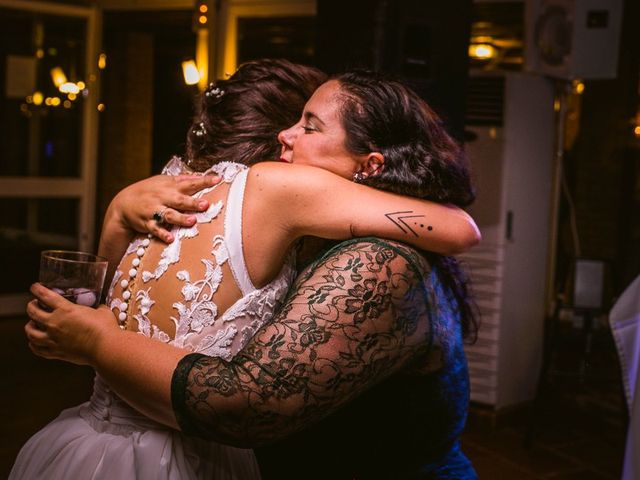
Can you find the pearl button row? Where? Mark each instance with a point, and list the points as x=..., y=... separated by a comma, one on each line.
x=127, y=284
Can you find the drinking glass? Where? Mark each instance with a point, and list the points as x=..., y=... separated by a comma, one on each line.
x=77, y=276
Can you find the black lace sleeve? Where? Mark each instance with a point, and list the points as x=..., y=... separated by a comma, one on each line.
x=359, y=314
x=179, y=383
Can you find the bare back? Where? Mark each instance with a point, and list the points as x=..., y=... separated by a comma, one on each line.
x=197, y=292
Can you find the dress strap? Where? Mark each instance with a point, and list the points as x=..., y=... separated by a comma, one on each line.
x=233, y=233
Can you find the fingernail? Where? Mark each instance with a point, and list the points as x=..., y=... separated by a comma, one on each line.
x=203, y=204
x=191, y=219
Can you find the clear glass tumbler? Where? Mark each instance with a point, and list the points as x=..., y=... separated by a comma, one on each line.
x=77, y=276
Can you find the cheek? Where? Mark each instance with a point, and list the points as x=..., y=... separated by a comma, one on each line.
x=303, y=149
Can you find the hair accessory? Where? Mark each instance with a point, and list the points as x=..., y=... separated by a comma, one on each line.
x=199, y=130
x=158, y=216
x=358, y=177
x=214, y=91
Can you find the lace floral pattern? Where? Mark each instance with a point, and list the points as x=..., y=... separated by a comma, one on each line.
x=199, y=327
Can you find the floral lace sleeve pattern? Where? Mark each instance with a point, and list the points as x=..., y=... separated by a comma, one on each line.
x=359, y=314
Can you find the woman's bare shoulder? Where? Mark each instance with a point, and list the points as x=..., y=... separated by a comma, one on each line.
x=291, y=176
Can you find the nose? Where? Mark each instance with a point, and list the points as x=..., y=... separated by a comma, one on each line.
x=287, y=137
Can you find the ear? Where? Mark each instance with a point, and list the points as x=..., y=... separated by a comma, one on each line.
x=373, y=164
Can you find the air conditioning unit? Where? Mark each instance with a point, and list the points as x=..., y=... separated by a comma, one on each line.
x=510, y=124
x=571, y=39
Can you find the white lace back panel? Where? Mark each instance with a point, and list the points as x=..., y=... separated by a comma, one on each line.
x=200, y=281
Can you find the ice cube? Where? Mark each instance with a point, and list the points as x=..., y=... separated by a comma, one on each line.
x=85, y=297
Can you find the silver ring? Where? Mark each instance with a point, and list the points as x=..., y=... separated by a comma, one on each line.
x=159, y=216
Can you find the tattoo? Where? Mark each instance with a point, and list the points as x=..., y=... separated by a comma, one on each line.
x=361, y=313
x=399, y=219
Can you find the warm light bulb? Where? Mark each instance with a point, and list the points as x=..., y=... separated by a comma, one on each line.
x=102, y=61
x=190, y=72
x=203, y=9
x=482, y=51
x=202, y=19
x=578, y=87
x=636, y=131
x=58, y=76
x=38, y=98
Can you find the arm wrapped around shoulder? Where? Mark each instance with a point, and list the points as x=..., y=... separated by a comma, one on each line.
x=361, y=313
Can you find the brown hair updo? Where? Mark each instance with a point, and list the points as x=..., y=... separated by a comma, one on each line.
x=240, y=117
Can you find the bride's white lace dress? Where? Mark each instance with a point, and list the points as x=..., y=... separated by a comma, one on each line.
x=169, y=293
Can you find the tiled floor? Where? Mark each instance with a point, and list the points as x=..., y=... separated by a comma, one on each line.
x=579, y=432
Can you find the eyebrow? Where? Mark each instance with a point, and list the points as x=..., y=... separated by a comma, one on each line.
x=312, y=116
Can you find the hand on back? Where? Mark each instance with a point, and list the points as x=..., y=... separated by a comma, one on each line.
x=169, y=197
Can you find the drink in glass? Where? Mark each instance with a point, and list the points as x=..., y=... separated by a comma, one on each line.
x=77, y=276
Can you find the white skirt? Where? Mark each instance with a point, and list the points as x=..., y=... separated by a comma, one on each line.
x=106, y=439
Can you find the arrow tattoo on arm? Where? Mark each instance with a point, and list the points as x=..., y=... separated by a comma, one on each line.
x=399, y=219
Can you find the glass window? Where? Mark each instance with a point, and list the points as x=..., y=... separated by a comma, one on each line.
x=42, y=85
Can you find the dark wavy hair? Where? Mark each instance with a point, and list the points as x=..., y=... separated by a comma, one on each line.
x=239, y=118
x=421, y=159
